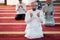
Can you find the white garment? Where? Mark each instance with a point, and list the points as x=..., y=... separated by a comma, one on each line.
x=49, y=19
x=21, y=10
x=34, y=27
x=2, y=1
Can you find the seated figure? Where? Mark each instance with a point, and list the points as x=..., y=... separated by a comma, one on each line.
x=48, y=9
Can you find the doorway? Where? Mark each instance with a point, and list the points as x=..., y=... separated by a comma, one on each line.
x=3, y=2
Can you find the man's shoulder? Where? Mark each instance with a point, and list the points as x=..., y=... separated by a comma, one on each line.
x=38, y=10
x=29, y=11
x=23, y=3
x=17, y=4
x=45, y=5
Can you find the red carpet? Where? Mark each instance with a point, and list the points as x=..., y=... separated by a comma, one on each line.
x=14, y=14
x=12, y=20
x=22, y=28
x=7, y=14
x=21, y=37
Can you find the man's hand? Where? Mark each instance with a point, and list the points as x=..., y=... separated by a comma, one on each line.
x=21, y=6
x=31, y=14
x=46, y=13
x=38, y=14
x=52, y=13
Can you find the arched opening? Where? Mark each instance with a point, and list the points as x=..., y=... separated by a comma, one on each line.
x=3, y=2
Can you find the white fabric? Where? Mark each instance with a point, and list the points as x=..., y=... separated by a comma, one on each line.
x=2, y=1
x=28, y=2
x=21, y=10
x=49, y=22
x=34, y=27
x=49, y=19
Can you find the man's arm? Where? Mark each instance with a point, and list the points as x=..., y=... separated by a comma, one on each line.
x=28, y=17
x=17, y=7
x=24, y=7
x=42, y=17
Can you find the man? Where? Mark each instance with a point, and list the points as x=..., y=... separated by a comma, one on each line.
x=20, y=8
x=39, y=4
x=49, y=13
x=33, y=19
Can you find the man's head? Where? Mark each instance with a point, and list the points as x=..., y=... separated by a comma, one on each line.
x=20, y=1
x=48, y=1
x=36, y=0
x=34, y=5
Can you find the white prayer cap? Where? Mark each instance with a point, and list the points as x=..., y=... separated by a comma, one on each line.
x=34, y=3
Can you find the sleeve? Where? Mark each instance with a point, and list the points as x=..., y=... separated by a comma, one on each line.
x=17, y=7
x=52, y=6
x=28, y=19
x=42, y=19
x=53, y=9
x=24, y=7
x=44, y=8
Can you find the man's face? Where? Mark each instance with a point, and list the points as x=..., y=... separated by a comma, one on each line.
x=34, y=5
x=48, y=2
x=20, y=1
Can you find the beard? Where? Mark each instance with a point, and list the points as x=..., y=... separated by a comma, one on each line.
x=48, y=4
x=34, y=9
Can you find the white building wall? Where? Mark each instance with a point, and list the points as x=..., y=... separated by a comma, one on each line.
x=14, y=2
x=2, y=1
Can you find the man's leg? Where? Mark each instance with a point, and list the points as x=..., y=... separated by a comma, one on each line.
x=52, y=22
x=18, y=17
x=23, y=16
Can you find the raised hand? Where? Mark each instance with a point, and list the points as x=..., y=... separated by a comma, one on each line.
x=38, y=14
x=31, y=14
x=21, y=6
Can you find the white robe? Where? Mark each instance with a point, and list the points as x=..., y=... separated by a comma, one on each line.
x=34, y=26
x=21, y=10
x=49, y=19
